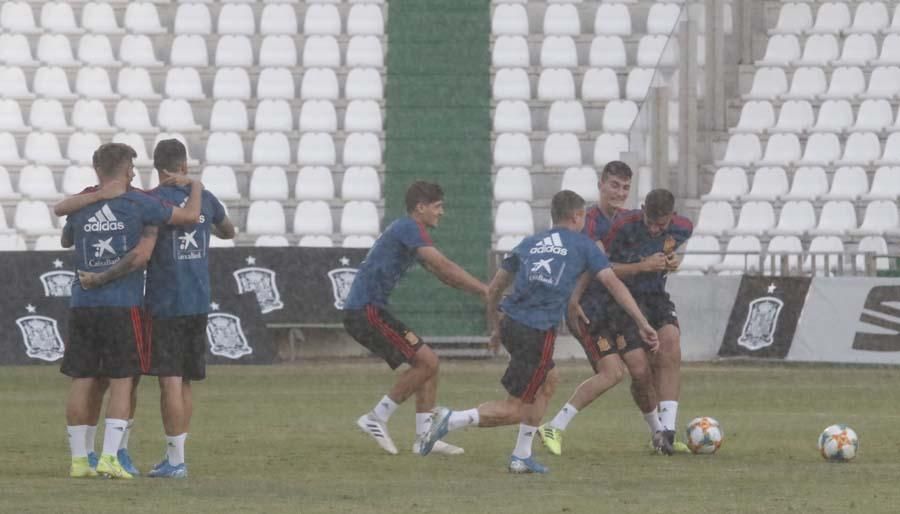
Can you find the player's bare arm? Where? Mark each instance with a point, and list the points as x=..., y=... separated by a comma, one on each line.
x=449, y=272
x=190, y=213
x=575, y=310
x=107, y=191
x=621, y=294
x=502, y=280
x=134, y=260
x=225, y=229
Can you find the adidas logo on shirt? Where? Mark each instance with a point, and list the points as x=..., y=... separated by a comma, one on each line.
x=103, y=221
x=550, y=244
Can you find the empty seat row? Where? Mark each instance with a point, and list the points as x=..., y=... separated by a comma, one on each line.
x=514, y=183
x=808, y=183
x=559, y=150
x=598, y=84
x=810, y=83
x=563, y=116
x=605, y=51
x=316, y=83
x=823, y=149
x=833, y=116
x=178, y=115
x=563, y=19
x=192, y=18
x=798, y=217
x=834, y=17
x=824, y=49
x=266, y=217
x=313, y=241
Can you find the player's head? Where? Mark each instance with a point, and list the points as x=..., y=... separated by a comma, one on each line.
x=114, y=161
x=425, y=202
x=170, y=155
x=615, y=184
x=567, y=207
x=659, y=206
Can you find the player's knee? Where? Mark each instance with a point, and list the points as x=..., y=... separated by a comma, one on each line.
x=616, y=372
x=426, y=360
x=550, y=382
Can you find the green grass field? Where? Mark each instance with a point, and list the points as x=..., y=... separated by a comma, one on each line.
x=283, y=439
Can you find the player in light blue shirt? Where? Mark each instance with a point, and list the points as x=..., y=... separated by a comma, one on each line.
x=543, y=270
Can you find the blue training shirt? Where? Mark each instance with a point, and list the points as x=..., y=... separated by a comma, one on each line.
x=387, y=261
x=596, y=226
x=178, y=273
x=547, y=266
x=628, y=241
x=103, y=233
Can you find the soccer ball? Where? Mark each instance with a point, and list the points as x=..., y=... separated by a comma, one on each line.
x=838, y=443
x=704, y=435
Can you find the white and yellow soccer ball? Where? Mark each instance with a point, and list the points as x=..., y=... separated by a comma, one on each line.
x=704, y=435
x=838, y=443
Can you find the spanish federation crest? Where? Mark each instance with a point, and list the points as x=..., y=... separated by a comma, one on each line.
x=762, y=320
x=262, y=282
x=226, y=337
x=41, y=337
x=341, y=280
x=58, y=282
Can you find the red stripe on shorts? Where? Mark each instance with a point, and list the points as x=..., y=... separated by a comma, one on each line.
x=395, y=339
x=138, y=336
x=538, y=377
x=587, y=342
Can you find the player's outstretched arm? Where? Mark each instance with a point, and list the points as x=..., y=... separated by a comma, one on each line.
x=575, y=310
x=75, y=203
x=498, y=285
x=618, y=291
x=225, y=229
x=134, y=260
x=449, y=272
x=190, y=213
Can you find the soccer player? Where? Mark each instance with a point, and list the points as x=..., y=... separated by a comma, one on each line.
x=177, y=298
x=587, y=319
x=544, y=269
x=642, y=245
x=367, y=320
x=105, y=331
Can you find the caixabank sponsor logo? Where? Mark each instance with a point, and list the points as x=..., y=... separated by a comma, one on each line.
x=881, y=313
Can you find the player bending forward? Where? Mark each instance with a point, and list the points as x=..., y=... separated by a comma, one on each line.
x=544, y=269
x=367, y=320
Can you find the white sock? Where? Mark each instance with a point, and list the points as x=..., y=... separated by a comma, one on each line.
x=175, y=448
x=523, y=443
x=668, y=412
x=384, y=408
x=463, y=418
x=89, y=436
x=423, y=421
x=564, y=416
x=652, y=419
x=77, y=440
x=112, y=436
x=124, y=443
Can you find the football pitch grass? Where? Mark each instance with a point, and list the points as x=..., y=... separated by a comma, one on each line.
x=284, y=439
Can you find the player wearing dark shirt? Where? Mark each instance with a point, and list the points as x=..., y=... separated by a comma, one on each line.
x=366, y=318
x=543, y=270
x=642, y=246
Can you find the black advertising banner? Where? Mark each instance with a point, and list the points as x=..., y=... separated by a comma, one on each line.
x=236, y=332
x=36, y=332
x=764, y=317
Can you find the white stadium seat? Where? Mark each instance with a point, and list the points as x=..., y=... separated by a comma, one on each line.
x=278, y=19
x=319, y=83
x=55, y=50
x=510, y=52
x=846, y=83
x=858, y=50
x=99, y=18
x=742, y=254
x=135, y=141
x=891, y=156
x=47, y=114
x=278, y=50
x=831, y=18
x=796, y=218
x=362, y=149
x=12, y=243
x=33, y=218
x=322, y=19
x=269, y=183
x=193, y=18
x=819, y=50
x=755, y=218
x=655, y=51
x=59, y=17
x=321, y=52
x=137, y=50
x=742, y=150
x=613, y=19
x=512, y=183
x=513, y=218
x=794, y=18
x=662, y=18
x=276, y=241
x=607, y=51
x=556, y=84
x=821, y=149
x=361, y=183
x=825, y=255
x=600, y=85
x=229, y=116
x=366, y=20
x=360, y=218
x=768, y=83
x=873, y=116
x=836, y=218
x=15, y=50
x=272, y=115
x=885, y=184
x=358, y=241
x=769, y=183
x=795, y=116
x=849, y=183
x=184, y=83
x=512, y=116
x=265, y=217
x=582, y=180
x=637, y=85
x=862, y=148
x=781, y=150
x=7, y=193
x=509, y=84
x=17, y=17
x=43, y=148
x=870, y=17
x=224, y=148
x=363, y=84
x=272, y=148
x=231, y=83
x=714, y=218
x=558, y=52
x=876, y=245
x=781, y=50
x=142, y=18
x=236, y=19
x=512, y=150
x=233, y=50
x=177, y=115
x=609, y=147
x=561, y=19
x=364, y=52
x=782, y=250
x=834, y=116
x=314, y=183
x=729, y=184
x=9, y=151
x=90, y=116
x=694, y=257
x=133, y=116
x=507, y=243
x=96, y=50
x=890, y=53
x=619, y=115
x=275, y=83
x=363, y=116
x=809, y=183
x=221, y=181
x=807, y=83
x=36, y=182
x=215, y=242
x=77, y=178
x=93, y=82
x=50, y=82
x=880, y=218
x=11, y=119
x=316, y=149
x=566, y=116
x=509, y=19
x=756, y=116
x=561, y=150
x=318, y=116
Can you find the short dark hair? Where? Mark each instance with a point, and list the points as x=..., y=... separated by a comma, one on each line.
x=422, y=192
x=169, y=155
x=616, y=169
x=658, y=203
x=108, y=158
x=564, y=205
